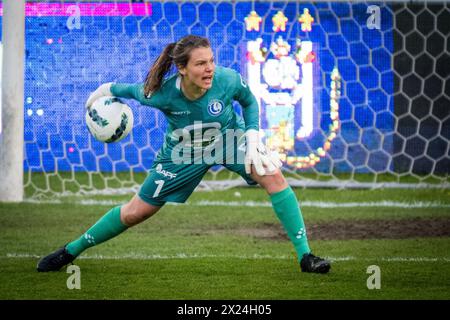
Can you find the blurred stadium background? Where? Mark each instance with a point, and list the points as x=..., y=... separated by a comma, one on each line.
x=363, y=101
x=391, y=127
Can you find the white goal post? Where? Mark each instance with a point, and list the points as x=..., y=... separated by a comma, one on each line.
x=12, y=120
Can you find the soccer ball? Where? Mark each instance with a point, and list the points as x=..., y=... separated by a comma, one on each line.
x=109, y=119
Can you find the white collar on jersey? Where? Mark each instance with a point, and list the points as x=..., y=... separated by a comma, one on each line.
x=178, y=82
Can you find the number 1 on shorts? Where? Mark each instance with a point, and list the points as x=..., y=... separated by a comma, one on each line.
x=160, y=184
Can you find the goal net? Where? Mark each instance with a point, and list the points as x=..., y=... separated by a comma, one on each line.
x=351, y=94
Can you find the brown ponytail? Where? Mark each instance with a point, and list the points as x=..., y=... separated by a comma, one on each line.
x=159, y=69
x=178, y=54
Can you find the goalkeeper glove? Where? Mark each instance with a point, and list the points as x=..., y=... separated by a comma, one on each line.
x=102, y=91
x=265, y=162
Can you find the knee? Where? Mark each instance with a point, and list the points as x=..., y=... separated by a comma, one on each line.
x=273, y=183
x=131, y=215
x=278, y=180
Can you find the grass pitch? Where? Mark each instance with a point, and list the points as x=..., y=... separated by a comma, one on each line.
x=220, y=246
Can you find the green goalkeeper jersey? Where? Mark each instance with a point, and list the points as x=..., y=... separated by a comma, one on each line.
x=213, y=110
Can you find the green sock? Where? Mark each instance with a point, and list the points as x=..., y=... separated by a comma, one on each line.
x=104, y=229
x=286, y=207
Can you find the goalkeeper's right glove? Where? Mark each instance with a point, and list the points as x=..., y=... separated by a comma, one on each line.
x=102, y=91
x=265, y=162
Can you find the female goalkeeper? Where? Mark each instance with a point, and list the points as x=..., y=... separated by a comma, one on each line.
x=197, y=102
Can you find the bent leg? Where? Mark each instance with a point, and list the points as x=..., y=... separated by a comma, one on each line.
x=113, y=223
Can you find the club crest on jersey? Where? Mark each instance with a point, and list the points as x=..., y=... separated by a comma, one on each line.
x=215, y=107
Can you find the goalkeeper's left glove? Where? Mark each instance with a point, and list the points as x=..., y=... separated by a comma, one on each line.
x=265, y=162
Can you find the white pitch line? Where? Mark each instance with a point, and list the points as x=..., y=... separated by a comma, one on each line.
x=323, y=204
x=250, y=257
x=314, y=204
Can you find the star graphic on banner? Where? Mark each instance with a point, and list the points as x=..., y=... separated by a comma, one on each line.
x=279, y=22
x=306, y=20
x=252, y=21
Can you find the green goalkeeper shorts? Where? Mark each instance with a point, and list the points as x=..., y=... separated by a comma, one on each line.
x=171, y=182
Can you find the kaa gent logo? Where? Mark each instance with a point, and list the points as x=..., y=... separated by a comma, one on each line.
x=215, y=107
x=74, y=280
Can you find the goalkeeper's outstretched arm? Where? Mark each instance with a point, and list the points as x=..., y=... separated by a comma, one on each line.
x=120, y=90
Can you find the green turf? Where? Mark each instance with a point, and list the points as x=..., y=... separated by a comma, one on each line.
x=204, y=252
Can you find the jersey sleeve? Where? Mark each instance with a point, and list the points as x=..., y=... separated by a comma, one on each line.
x=250, y=107
x=136, y=92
